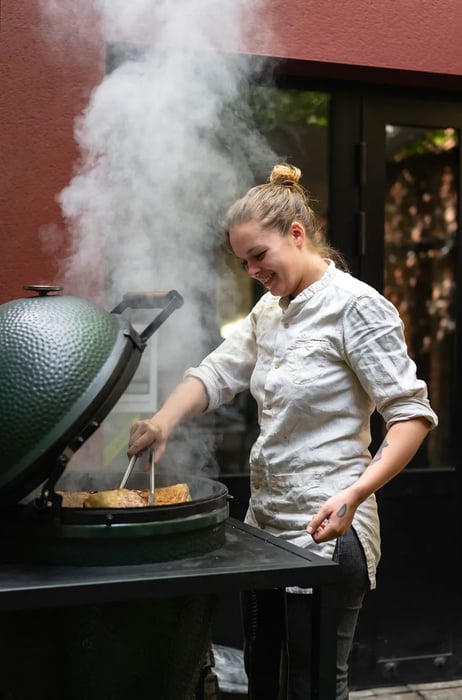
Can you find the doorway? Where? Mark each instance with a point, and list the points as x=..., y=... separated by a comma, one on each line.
x=408, y=179
x=389, y=167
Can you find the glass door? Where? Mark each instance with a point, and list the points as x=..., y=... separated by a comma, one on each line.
x=420, y=260
x=408, y=243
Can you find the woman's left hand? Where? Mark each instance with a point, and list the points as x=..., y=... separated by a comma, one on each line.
x=334, y=518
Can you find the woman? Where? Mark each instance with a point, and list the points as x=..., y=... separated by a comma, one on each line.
x=320, y=352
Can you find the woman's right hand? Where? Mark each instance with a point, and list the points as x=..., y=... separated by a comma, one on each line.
x=187, y=400
x=147, y=433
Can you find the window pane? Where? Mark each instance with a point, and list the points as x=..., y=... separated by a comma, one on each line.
x=421, y=229
x=295, y=124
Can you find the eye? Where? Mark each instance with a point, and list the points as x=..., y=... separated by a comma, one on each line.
x=256, y=257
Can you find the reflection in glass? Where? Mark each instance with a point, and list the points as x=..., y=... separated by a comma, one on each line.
x=421, y=229
x=294, y=123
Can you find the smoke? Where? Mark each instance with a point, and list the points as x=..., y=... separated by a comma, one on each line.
x=166, y=143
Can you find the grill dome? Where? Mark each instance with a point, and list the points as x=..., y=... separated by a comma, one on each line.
x=64, y=362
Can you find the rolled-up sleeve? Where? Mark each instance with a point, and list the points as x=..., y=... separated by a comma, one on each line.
x=375, y=348
x=226, y=371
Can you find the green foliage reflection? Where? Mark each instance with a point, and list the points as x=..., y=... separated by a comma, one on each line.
x=274, y=106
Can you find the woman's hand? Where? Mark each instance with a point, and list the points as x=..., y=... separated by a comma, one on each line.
x=399, y=446
x=187, y=400
x=334, y=518
x=147, y=433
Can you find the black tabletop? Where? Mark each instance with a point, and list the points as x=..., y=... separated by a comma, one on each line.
x=249, y=559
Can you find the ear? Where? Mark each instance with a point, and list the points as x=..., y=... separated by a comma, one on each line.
x=297, y=231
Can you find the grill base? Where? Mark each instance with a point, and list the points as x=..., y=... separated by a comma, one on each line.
x=124, y=536
x=121, y=651
x=99, y=545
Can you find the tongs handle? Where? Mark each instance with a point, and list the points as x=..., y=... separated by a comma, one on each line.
x=151, y=479
x=128, y=471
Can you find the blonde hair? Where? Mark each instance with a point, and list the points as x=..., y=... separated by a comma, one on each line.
x=276, y=204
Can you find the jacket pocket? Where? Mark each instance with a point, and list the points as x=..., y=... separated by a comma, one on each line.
x=307, y=360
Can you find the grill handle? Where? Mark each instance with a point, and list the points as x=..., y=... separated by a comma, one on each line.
x=167, y=302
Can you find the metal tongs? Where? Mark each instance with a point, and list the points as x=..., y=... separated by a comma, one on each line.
x=151, y=498
x=129, y=470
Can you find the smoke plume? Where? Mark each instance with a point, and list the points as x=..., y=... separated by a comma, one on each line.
x=166, y=144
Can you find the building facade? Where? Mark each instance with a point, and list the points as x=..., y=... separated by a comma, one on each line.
x=366, y=98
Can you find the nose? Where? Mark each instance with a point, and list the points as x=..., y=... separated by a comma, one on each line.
x=253, y=268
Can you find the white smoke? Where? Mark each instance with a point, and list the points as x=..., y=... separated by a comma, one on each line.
x=166, y=143
x=163, y=146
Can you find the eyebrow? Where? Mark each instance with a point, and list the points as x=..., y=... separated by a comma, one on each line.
x=251, y=251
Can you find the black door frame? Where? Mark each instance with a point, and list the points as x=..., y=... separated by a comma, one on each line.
x=410, y=628
x=418, y=594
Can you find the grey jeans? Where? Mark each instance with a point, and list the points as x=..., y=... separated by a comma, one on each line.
x=277, y=631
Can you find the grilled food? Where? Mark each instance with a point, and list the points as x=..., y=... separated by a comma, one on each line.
x=117, y=498
x=73, y=499
x=168, y=495
x=125, y=498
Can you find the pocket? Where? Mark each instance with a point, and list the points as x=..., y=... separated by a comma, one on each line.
x=307, y=360
x=295, y=497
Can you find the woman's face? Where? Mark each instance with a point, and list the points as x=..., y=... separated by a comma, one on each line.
x=278, y=262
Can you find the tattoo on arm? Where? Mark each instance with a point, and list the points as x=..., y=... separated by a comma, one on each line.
x=378, y=454
x=341, y=511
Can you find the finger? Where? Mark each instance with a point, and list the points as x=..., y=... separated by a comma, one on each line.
x=315, y=523
x=135, y=433
x=321, y=534
x=135, y=426
x=139, y=443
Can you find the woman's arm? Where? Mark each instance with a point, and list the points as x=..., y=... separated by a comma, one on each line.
x=188, y=399
x=399, y=446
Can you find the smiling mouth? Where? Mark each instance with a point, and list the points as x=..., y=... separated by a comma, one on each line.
x=267, y=280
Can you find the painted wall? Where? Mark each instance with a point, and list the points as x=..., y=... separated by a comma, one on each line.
x=45, y=84
x=420, y=35
x=41, y=94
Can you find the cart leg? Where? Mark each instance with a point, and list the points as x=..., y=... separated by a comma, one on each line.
x=324, y=646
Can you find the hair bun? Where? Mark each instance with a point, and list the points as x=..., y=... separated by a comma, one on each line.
x=285, y=174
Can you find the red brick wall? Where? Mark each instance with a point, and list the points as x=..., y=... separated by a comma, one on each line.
x=41, y=94
x=420, y=35
x=45, y=85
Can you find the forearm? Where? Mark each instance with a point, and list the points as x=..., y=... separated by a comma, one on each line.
x=187, y=400
x=397, y=449
x=399, y=446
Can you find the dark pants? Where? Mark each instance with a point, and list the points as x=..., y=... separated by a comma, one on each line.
x=277, y=631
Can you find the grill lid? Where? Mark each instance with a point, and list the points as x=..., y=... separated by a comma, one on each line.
x=64, y=363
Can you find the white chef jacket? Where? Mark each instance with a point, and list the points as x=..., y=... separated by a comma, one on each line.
x=317, y=365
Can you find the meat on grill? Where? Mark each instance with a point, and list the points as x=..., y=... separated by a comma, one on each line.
x=125, y=498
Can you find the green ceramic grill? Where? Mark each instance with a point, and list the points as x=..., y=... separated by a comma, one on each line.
x=64, y=363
